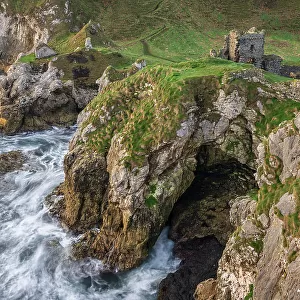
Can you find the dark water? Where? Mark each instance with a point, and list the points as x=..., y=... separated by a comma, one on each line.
x=34, y=260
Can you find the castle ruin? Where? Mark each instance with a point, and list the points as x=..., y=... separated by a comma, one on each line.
x=248, y=47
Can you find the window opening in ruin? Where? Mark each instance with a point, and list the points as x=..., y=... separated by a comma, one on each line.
x=252, y=48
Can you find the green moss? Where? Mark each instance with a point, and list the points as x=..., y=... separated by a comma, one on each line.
x=257, y=245
x=249, y=296
x=151, y=201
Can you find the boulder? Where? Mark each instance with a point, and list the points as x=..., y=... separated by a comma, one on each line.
x=43, y=51
x=206, y=290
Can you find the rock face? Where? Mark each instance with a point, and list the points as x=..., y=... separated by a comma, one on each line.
x=261, y=257
x=199, y=216
x=19, y=34
x=34, y=98
x=239, y=259
x=199, y=262
x=135, y=191
x=206, y=290
x=129, y=163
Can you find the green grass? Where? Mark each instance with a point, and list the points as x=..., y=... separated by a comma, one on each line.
x=271, y=77
x=185, y=30
x=276, y=111
x=27, y=58
x=285, y=44
x=25, y=6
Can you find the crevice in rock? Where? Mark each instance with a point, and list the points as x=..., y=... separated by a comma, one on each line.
x=200, y=223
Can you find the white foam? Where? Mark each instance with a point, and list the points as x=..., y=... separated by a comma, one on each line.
x=34, y=262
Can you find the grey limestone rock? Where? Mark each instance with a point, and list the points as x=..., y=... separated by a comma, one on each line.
x=35, y=98
x=43, y=51
x=287, y=204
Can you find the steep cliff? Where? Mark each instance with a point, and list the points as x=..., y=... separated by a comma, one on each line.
x=260, y=260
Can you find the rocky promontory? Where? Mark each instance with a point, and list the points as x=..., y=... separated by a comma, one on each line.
x=136, y=150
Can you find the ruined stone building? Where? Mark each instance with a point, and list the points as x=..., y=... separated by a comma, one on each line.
x=248, y=47
x=245, y=47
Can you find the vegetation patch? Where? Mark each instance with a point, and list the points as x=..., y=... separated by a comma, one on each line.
x=257, y=245
x=271, y=77
x=151, y=201
x=249, y=296
x=253, y=194
x=276, y=111
x=269, y=195
x=27, y=58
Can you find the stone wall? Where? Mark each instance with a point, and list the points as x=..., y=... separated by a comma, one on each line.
x=248, y=47
x=272, y=63
x=251, y=48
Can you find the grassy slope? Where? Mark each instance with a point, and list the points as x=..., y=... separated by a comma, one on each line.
x=184, y=29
